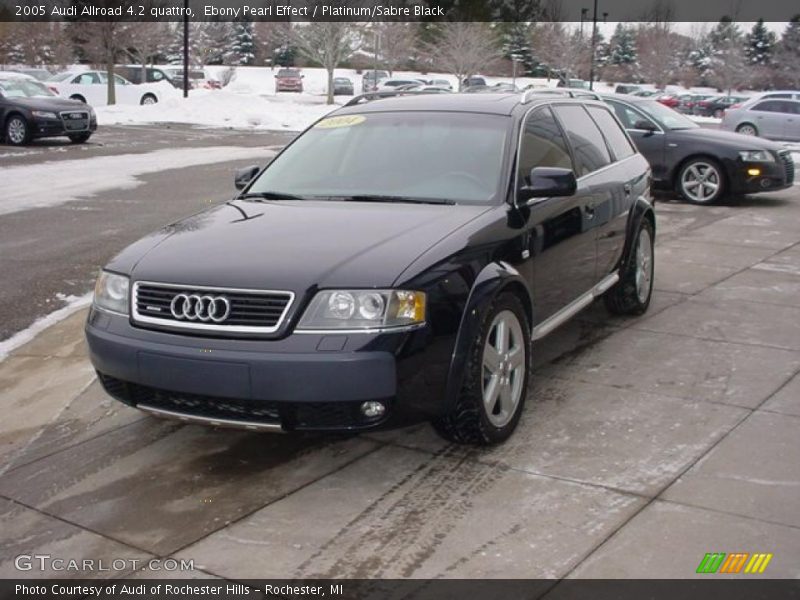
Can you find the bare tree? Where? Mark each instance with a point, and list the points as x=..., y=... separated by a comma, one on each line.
x=145, y=41
x=565, y=52
x=103, y=42
x=466, y=49
x=396, y=43
x=271, y=37
x=34, y=43
x=659, y=53
x=328, y=43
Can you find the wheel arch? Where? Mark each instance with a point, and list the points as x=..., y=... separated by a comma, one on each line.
x=493, y=280
x=641, y=210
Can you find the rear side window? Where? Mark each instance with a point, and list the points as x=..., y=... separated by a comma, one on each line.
x=615, y=136
x=770, y=106
x=543, y=144
x=587, y=142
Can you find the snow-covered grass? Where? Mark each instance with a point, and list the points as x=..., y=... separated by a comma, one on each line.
x=68, y=180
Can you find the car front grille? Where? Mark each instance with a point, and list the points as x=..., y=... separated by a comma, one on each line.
x=75, y=120
x=237, y=310
x=318, y=416
x=788, y=165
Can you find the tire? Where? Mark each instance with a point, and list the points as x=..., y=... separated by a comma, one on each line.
x=701, y=181
x=148, y=99
x=79, y=138
x=17, y=132
x=78, y=97
x=747, y=129
x=469, y=421
x=632, y=293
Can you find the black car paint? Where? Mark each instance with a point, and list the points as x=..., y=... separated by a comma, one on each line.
x=462, y=256
x=41, y=127
x=667, y=150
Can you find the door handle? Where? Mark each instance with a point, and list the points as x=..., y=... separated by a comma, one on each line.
x=627, y=188
x=589, y=208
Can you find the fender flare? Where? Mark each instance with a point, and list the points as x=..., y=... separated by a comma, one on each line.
x=490, y=282
x=641, y=209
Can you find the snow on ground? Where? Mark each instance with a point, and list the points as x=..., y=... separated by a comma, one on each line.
x=69, y=180
x=73, y=304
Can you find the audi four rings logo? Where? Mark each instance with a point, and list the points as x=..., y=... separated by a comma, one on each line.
x=200, y=308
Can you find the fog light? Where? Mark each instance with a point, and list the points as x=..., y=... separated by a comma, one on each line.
x=754, y=172
x=372, y=409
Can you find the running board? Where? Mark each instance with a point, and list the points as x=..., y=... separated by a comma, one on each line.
x=196, y=419
x=574, y=307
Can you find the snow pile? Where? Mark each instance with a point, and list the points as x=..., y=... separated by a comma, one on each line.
x=221, y=108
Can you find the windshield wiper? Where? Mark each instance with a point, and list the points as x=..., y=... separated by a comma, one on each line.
x=268, y=196
x=399, y=199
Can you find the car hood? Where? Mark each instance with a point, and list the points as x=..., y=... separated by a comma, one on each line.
x=735, y=141
x=294, y=245
x=50, y=104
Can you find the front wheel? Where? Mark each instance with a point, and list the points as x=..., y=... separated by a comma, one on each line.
x=148, y=99
x=495, y=381
x=747, y=129
x=700, y=181
x=79, y=138
x=17, y=131
x=631, y=295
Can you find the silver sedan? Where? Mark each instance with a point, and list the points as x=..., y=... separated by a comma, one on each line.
x=772, y=118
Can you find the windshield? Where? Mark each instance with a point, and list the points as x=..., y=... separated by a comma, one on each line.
x=23, y=88
x=422, y=155
x=665, y=116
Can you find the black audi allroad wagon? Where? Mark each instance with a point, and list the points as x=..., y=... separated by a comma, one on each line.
x=394, y=263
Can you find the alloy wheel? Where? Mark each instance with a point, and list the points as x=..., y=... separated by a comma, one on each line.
x=701, y=182
x=747, y=130
x=504, y=364
x=644, y=265
x=16, y=130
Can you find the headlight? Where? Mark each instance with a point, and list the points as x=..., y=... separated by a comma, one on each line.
x=111, y=292
x=364, y=309
x=43, y=114
x=756, y=156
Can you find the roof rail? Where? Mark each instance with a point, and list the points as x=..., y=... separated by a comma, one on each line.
x=528, y=95
x=386, y=94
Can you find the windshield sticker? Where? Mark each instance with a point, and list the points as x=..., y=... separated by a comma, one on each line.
x=343, y=121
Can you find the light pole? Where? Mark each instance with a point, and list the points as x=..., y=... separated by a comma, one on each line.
x=584, y=18
x=375, y=66
x=514, y=59
x=594, y=39
x=185, y=48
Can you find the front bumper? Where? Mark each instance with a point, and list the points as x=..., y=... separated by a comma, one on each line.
x=45, y=127
x=302, y=382
x=756, y=177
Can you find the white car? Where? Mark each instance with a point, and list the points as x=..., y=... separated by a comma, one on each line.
x=391, y=84
x=91, y=87
x=16, y=75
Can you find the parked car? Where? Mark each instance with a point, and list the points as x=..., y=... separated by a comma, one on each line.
x=442, y=83
x=92, y=87
x=17, y=75
x=472, y=82
x=716, y=105
x=288, y=80
x=384, y=287
x=768, y=118
x=573, y=83
x=38, y=74
x=370, y=79
x=646, y=93
x=391, y=84
x=776, y=95
x=702, y=165
x=198, y=79
x=29, y=110
x=688, y=102
x=626, y=88
x=133, y=73
x=504, y=86
x=669, y=100
x=342, y=86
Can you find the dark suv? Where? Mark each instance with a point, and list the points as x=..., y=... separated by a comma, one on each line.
x=355, y=284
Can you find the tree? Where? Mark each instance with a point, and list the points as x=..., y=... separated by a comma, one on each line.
x=516, y=37
x=622, y=53
x=760, y=44
x=328, y=43
x=465, y=49
x=103, y=42
x=787, y=55
x=145, y=42
x=396, y=43
x=565, y=53
x=660, y=53
x=243, y=51
x=729, y=67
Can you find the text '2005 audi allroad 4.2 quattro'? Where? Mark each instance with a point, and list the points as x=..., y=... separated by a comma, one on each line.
x=394, y=263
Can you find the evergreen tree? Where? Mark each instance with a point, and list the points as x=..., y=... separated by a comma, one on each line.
x=760, y=44
x=516, y=39
x=787, y=55
x=243, y=49
x=622, y=47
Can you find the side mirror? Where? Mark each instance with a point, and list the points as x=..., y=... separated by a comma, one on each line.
x=547, y=182
x=645, y=125
x=245, y=176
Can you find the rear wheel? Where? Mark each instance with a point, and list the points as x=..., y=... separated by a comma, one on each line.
x=747, y=129
x=148, y=99
x=17, y=131
x=79, y=138
x=495, y=382
x=78, y=97
x=631, y=295
x=700, y=181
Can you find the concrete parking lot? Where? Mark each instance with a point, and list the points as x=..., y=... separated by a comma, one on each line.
x=645, y=443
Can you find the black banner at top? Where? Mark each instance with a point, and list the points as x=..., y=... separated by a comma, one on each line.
x=396, y=10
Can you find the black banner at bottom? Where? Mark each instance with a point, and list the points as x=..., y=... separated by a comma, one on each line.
x=411, y=589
